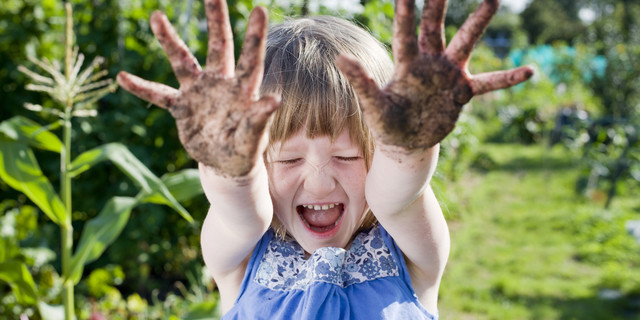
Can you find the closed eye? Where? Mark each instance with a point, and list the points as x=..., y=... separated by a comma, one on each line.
x=348, y=158
x=289, y=161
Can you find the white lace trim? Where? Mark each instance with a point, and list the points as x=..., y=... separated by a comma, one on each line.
x=283, y=266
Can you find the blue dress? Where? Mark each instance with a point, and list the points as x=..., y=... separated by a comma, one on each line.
x=368, y=281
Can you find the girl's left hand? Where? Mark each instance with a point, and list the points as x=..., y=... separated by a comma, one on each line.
x=431, y=83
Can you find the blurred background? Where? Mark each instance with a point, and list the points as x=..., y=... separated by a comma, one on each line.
x=539, y=183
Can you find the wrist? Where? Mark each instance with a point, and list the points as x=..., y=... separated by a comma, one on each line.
x=214, y=173
x=399, y=177
x=216, y=184
x=409, y=157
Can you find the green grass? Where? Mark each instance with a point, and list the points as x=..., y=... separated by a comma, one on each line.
x=525, y=245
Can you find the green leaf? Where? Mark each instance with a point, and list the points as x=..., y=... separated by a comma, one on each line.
x=17, y=275
x=154, y=190
x=20, y=170
x=49, y=312
x=100, y=232
x=207, y=310
x=183, y=184
x=28, y=131
x=8, y=248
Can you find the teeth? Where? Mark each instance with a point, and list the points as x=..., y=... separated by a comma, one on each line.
x=320, y=207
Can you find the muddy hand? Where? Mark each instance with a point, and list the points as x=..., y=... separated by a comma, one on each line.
x=220, y=118
x=421, y=104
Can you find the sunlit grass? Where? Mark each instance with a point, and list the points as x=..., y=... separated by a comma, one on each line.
x=523, y=242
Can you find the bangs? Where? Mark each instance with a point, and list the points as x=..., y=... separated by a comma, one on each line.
x=314, y=92
x=300, y=66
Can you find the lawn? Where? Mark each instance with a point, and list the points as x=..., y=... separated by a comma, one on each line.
x=526, y=245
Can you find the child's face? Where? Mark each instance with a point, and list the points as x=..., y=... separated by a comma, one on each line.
x=317, y=188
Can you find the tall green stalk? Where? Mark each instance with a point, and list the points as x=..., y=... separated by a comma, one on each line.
x=65, y=180
x=66, y=231
x=75, y=91
x=67, y=228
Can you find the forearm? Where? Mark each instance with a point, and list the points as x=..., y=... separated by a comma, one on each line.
x=243, y=203
x=240, y=213
x=399, y=194
x=397, y=179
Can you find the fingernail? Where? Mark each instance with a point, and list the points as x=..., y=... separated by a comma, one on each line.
x=529, y=73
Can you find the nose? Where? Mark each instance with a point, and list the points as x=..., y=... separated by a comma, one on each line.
x=319, y=181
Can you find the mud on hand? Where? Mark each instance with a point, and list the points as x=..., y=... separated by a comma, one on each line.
x=221, y=120
x=431, y=83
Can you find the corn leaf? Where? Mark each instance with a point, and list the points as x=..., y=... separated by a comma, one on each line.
x=17, y=275
x=100, y=232
x=153, y=189
x=28, y=131
x=20, y=170
x=183, y=184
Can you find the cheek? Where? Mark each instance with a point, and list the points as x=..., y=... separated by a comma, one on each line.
x=360, y=173
x=353, y=180
x=281, y=183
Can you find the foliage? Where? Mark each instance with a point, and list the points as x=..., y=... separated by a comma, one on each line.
x=541, y=17
x=23, y=265
x=155, y=247
x=74, y=92
x=612, y=154
x=192, y=301
x=378, y=17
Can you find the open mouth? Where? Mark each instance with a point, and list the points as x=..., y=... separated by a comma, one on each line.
x=321, y=218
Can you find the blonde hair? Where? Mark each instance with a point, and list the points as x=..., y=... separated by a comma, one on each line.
x=300, y=65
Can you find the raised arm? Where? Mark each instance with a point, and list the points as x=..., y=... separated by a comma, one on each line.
x=409, y=117
x=222, y=122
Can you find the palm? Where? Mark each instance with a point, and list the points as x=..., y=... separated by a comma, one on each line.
x=431, y=83
x=215, y=124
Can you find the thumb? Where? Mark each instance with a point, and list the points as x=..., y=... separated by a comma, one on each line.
x=266, y=106
x=365, y=87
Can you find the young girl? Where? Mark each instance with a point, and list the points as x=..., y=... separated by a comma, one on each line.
x=315, y=212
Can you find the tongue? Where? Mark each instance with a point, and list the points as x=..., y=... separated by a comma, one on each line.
x=321, y=218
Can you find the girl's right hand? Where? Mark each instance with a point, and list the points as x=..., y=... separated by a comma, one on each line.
x=221, y=120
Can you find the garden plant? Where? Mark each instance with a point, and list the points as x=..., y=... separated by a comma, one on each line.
x=74, y=90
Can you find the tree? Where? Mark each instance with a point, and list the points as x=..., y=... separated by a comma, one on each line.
x=546, y=21
x=614, y=149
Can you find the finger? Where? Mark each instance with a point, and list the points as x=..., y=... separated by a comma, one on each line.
x=251, y=62
x=364, y=86
x=259, y=120
x=404, y=44
x=485, y=82
x=184, y=64
x=462, y=43
x=220, y=59
x=156, y=93
x=431, y=37
x=266, y=106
